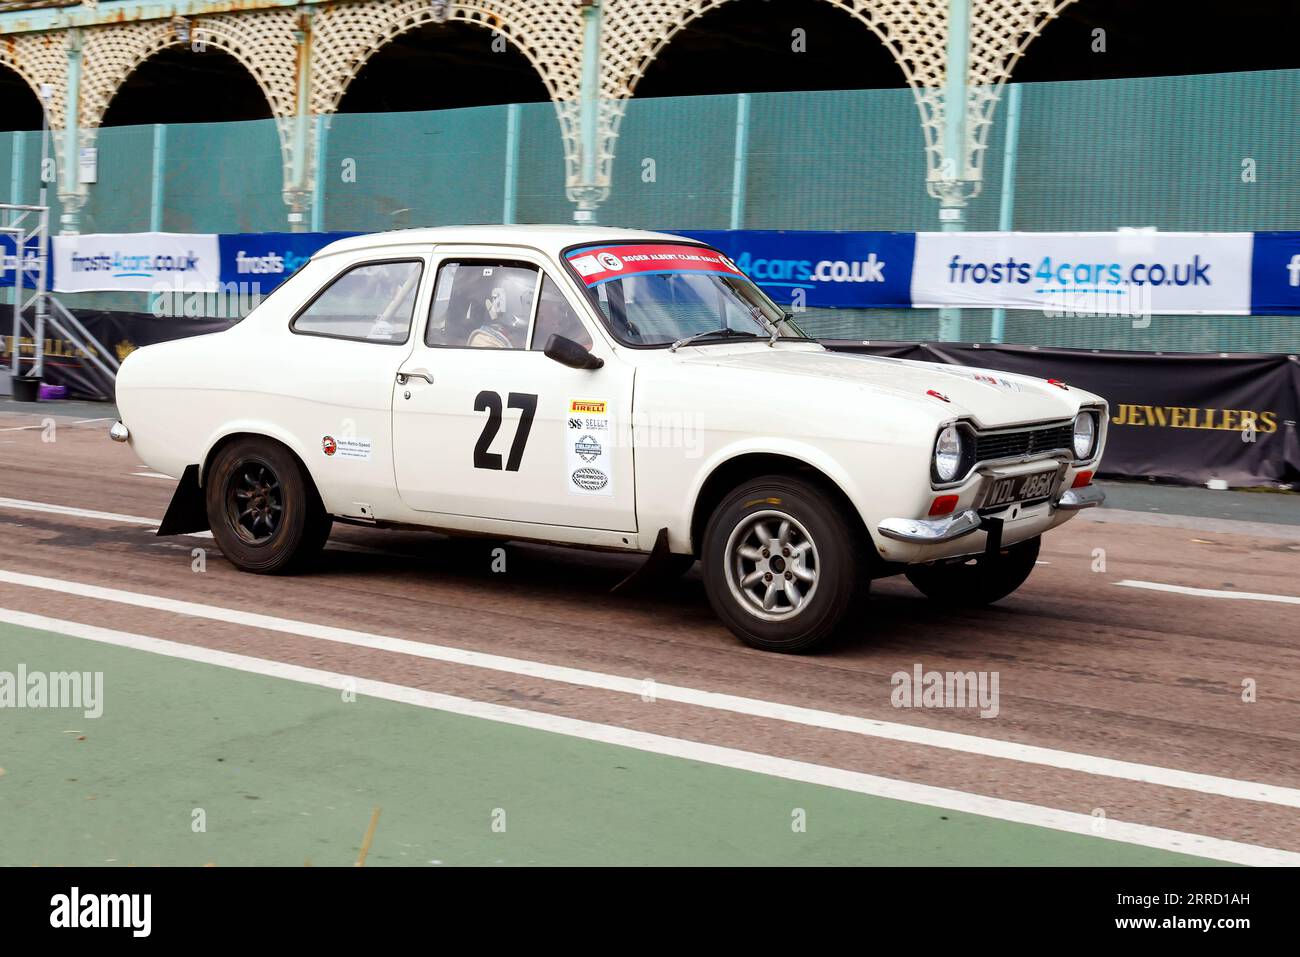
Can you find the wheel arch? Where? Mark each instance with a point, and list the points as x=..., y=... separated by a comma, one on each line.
x=737, y=468
x=253, y=431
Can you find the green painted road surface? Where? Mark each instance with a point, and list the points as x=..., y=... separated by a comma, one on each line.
x=287, y=773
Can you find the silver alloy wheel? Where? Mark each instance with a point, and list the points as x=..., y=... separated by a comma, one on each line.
x=771, y=565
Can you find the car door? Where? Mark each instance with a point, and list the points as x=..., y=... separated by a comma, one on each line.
x=327, y=381
x=486, y=426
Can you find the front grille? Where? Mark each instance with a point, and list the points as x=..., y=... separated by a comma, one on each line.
x=1003, y=445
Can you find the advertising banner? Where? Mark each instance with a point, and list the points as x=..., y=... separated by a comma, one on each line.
x=1176, y=417
x=1133, y=273
x=267, y=259
x=1275, y=275
x=822, y=269
x=136, y=262
x=8, y=246
x=117, y=334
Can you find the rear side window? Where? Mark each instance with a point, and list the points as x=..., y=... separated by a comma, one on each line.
x=372, y=302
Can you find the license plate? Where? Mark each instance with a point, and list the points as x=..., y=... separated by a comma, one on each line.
x=1020, y=488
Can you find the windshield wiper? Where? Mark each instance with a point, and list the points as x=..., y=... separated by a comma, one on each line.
x=725, y=332
x=776, y=328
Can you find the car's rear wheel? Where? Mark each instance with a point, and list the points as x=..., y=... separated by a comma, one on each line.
x=978, y=581
x=781, y=563
x=265, y=513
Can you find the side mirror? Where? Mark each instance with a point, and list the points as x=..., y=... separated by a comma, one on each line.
x=569, y=353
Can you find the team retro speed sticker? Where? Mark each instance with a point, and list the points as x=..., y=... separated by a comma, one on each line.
x=587, y=454
x=597, y=264
x=347, y=448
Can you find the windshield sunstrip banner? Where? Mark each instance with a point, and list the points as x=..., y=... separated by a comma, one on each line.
x=1138, y=272
x=598, y=264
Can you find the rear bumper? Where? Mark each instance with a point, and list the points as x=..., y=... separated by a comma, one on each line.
x=936, y=531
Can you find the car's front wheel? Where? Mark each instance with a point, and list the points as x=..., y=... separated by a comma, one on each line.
x=781, y=563
x=978, y=581
x=264, y=511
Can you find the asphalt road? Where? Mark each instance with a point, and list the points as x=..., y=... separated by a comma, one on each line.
x=1148, y=698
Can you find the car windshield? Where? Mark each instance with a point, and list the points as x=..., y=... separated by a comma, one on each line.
x=660, y=294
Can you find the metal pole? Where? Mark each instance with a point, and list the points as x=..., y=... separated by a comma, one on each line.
x=156, y=192
x=589, y=102
x=19, y=243
x=301, y=124
x=954, y=138
x=509, y=210
x=318, y=189
x=740, y=164
x=71, y=221
x=17, y=161
x=1007, y=202
x=16, y=171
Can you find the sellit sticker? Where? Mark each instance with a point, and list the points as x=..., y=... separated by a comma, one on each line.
x=587, y=454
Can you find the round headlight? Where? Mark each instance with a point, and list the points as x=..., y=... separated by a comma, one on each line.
x=947, y=454
x=1085, y=434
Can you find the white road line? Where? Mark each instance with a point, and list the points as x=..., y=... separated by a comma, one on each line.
x=754, y=707
x=153, y=475
x=102, y=418
x=1017, y=812
x=22, y=505
x=1211, y=592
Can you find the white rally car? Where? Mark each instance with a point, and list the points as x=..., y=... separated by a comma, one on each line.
x=612, y=389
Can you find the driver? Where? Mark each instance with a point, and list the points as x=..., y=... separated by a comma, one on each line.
x=509, y=305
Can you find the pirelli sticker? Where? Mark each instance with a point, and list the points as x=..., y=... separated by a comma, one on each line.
x=588, y=456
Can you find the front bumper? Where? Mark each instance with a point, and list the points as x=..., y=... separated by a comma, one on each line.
x=935, y=531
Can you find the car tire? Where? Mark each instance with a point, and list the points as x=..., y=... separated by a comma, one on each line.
x=821, y=557
x=977, y=582
x=264, y=510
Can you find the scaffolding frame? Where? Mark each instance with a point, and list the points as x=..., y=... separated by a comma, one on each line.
x=28, y=228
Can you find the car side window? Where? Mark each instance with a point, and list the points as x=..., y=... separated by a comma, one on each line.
x=371, y=302
x=556, y=317
x=482, y=304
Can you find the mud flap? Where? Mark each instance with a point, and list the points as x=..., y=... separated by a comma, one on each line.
x=187, y=511
x=660, y=564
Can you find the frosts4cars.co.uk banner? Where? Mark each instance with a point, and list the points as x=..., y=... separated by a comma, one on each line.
x=136, y=262
x=1134, y=273
x=820, y=269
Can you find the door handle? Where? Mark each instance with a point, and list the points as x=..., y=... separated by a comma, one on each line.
x=405, y=377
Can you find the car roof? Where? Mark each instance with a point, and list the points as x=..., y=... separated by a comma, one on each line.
x=550, y=239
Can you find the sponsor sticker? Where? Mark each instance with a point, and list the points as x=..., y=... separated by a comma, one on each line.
x=1006, y=385
x=586, y=448
x=359, y=449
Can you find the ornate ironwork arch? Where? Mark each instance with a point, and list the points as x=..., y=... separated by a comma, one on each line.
x=637, y=31
x=40, y=58
x=547, y=32
x=264, y=42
